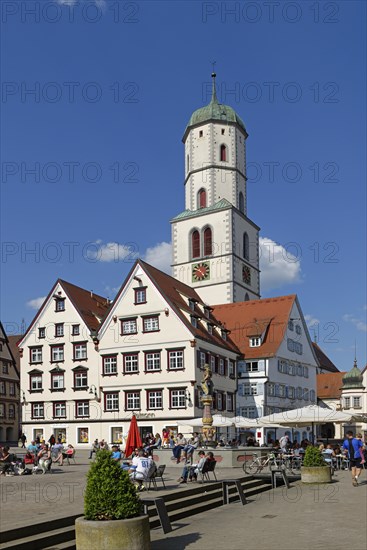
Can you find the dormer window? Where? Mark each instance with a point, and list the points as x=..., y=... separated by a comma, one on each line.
x=255, y=342
x=224, y=334
x=207, y=311
x=192, y=304
x=210, y=328
x=194, y=321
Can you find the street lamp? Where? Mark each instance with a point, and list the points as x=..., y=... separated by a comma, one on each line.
x=93, y=391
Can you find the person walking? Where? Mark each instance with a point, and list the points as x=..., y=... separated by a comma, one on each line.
x=23, y=439
x=354, y=448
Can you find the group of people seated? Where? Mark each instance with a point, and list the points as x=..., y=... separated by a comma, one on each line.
x=183, y=449
x=44, y=454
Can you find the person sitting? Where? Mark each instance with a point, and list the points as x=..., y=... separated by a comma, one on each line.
x=144, y=465
x=180, y=444
x=5, y=460
x=44, y=458
x=329, y=455
x=57, y=453
x=94, y=449
x=189, y=449
x=192, y=471
x=69, y=452
x=156, y=444
x=116, y=453
x=33, y=448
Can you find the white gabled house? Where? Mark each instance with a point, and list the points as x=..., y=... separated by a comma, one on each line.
x=279, y=369
x=153, y=345
x=59, y=364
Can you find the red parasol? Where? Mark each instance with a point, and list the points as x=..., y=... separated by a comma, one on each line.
x=133, y=439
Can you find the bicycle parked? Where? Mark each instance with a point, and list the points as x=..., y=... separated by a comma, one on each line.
x=291, y=464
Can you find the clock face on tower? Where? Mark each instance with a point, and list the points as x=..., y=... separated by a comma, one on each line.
x=246, y=274
x=200, y=272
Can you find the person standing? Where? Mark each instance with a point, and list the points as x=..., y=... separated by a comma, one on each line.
x=23, y=439
x=354, y=448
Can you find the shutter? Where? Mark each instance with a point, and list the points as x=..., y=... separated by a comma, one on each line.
x=261, y=365
x=198, y=359
x=260, y=388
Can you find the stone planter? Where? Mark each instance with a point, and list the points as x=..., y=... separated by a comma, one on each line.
x=316, y=474
x=124, y=534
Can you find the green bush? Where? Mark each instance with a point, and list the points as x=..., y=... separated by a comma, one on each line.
x=109, y=493
x=313, y=457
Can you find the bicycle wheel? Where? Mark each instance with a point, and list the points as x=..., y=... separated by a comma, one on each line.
x=295, y=467
x=251, y=467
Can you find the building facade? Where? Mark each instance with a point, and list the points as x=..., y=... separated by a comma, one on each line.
x=84, y=376
x=9, y=392
x=279, y=369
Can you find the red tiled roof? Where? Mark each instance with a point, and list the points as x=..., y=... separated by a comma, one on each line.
x=177, y=295
x=91, y=307
x=329, y=385
x=325, y=362
x=245, y=319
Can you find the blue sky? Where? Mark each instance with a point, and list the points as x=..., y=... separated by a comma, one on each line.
x=92, y=160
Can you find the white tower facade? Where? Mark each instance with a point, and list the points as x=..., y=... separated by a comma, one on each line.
x=215, y=244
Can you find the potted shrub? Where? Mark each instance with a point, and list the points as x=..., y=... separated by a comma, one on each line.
x=113, y=511
x=314, y=468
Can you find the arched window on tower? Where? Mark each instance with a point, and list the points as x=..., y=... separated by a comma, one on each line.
x=195, y=244
x=208, y=242
x=223, y=153
x=241, y=203
x=202, y=198
x=247, y=297
x=246, y=247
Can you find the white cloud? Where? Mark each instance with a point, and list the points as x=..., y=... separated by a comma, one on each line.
x=101, y=4
x=36, y=302
x=279, y=266
x=112, y=252
x=160, y=256
x=311, y=320
x=358, y=323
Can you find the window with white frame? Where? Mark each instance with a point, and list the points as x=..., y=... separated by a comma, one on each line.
x=305, y=372
x=57, y=381
x=357, y=402
x=291, y=392
x=59, y=330
x=299, y=370
x=132, y=399
x=175, y=359
x=250, y=388
x=111, y=401
x=312, y=396
x=42, y=332
x=219, y=401
x=11, y=388
x=249, y=412
x=305, y=394
x=299, y=393
x=11, y=411
x=255, y=342
x=282, y=390
x=38, y=410
x=80, y=351
x=152, y=361
x=150, y=324
x=36, y=355
x=129, y=326
x=131, y=363
x=75, y=330
x=298, y=329
x=178, y=399
x=194, y=321
x=5, y=368
x=2, y=388
x=221, y=367
x=231, y=372
x=229, y=402
x=154, y=400
x=140, y=295
x=298, y=348
x=35, y=382
x=82, y=409
x=290, y=344
x=347, y=402
x=80, y=379
x=57, y=353
x=60, y=304
x=60, y=410
x=109, y=364
x=252, y=366
x=2, y=410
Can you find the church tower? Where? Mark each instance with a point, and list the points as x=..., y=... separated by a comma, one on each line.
x=215, y=244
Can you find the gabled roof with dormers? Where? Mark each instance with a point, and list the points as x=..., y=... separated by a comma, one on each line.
x=91, y=307
x=267, y=318
x=178, y=295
